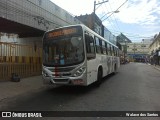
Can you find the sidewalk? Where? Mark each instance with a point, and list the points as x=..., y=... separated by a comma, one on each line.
x=156, y=67
x=9, y=89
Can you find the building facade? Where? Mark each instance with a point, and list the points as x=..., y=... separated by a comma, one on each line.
x=93, y=22
x=154, y=50
x=138, y=52
x=123, y=40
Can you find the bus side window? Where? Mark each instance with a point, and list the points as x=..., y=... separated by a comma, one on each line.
x=103, y=47
x=98, y=48
x=111, y=50
x=90, y=46
x=106, y=48
x=115, y=51
x=118, y=53
x=100, y=45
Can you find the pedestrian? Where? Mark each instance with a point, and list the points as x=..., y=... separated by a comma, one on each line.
x=61, y=58
x=145, y=60
x=155, y=62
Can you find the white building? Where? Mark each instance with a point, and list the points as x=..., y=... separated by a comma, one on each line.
x=154, y=50
x=138, y=48
x=138, y=51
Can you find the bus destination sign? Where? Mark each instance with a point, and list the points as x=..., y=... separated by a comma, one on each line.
x=62, y=32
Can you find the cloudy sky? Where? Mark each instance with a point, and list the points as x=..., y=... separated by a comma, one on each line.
x=137, y=19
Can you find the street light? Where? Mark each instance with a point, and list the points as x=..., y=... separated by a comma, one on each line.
x=110, y=15
x=117, y=11
x=100, y=3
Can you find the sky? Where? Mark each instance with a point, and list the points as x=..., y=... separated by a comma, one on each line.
x=137, y=19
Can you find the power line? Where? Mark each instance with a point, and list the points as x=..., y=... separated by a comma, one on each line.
x=115, y=19
x=116, y=10
x=116, y=25
x=133, y=38
x=111, y=23
x=129, y=34
x=109, y=20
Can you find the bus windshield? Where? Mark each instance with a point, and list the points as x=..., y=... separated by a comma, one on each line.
x=63, y=51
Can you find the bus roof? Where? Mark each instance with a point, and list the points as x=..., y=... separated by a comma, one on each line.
x=87, y=28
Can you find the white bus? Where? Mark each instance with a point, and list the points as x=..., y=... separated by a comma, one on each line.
x=76, y=55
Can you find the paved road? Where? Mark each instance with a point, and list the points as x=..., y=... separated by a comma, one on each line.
x=136, y=87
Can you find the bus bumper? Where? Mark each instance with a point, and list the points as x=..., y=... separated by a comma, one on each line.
x=65, y=80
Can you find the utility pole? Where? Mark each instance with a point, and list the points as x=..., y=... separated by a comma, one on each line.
x=98, y=4
x=94, y=10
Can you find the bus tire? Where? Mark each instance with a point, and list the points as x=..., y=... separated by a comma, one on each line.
x=99, y=77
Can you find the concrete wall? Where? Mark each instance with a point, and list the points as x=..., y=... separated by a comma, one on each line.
x=40, y=14
x=8, y=43
x=30, y=41
x=13, y=38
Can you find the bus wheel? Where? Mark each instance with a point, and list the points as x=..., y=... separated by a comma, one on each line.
x=99, y=78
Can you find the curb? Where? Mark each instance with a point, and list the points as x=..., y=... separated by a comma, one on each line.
x=156, y=67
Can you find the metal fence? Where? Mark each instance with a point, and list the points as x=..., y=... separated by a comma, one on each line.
x=24, y=60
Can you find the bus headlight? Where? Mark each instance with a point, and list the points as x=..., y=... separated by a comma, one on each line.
x=79, y=71
x=45, y=74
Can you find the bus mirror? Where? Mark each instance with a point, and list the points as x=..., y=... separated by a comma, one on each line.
x=75, y=41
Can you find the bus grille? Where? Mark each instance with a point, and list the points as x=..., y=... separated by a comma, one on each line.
x=62, y=74
x=60, y=80
x=62, y=69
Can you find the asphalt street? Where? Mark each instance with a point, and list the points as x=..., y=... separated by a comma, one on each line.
x=136, y=87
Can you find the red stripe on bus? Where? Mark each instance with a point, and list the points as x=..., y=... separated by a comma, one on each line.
x=56, y=72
